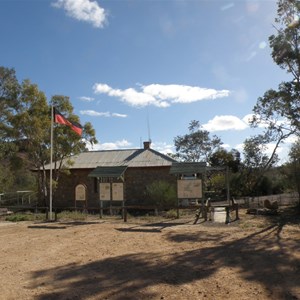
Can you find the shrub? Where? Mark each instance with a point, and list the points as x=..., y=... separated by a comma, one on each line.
x=171, y=214
x=19, y=217
x=161, y=194
x=72, y=215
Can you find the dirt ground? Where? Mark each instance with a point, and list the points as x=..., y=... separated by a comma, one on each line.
x=257, y=257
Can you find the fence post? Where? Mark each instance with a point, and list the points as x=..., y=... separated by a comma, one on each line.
x=101, y=209
x=125, y=214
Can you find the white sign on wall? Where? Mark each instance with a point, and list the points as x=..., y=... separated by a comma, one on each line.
x=80, y=192
x=117, y=191
x=104, y=191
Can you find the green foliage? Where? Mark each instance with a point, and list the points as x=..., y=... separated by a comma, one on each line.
x=161, y=194
x=197, y=145
x=25, y=123
x=18, y=217
x=277, y=110
x=223, y=158
x=294, y=168
x=171, y=214
x=71, y=215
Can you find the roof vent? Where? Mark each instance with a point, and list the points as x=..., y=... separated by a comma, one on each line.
x=147, y=145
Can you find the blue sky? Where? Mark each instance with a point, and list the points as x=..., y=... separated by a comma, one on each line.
x=138, y=69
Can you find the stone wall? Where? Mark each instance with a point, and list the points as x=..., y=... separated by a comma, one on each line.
x=136, y=180
x=64, y=195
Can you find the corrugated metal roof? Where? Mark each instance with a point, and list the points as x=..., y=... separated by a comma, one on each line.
x=125, y=157
x=188, y=168
x=108, y=171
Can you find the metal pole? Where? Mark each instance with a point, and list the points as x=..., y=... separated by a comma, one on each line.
x=51, y=155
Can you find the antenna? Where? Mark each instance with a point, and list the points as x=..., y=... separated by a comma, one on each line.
x=148, y=124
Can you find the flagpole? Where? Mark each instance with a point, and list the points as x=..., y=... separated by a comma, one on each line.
x=51, y=155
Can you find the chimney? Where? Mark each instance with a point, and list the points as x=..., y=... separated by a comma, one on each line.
x=147, y=145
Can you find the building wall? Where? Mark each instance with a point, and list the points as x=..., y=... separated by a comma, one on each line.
x=136, y=180
x=64, y=195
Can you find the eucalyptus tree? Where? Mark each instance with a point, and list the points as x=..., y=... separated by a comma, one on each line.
x=294, y=168
x=197, y=145
x=223, y=158
x=26, y=124
x=278, y=110
x=65, y=141
x=255, y=164
x=9, y=90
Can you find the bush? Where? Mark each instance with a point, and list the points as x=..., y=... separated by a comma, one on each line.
x=161, y=194
x=71, y=215
x=171, y=214
x=19, y=217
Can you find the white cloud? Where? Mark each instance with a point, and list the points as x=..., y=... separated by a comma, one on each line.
x=163, y=147
x=248, y=118
x=83, y=10
x=118, y=115
x=221, y=123
x=291, y=139
x=110, y=146
x=264, y=124
x=270, y=148
x=183, y=93
x=239, y=147
x=160, y=95
x=262, y=45
x=226, y=146
x=87, y=99
x=94, y=113
x=129, y=96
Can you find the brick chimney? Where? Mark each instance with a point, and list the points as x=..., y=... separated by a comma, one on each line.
x=147, y=145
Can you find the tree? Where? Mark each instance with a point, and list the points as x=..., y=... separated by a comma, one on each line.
x=25, y=124
x=278, y=110
x=197, y=145
x=294, y=168
x=255, y=164
x=9, y=92
x=224, y=158
x=9, y=89
x=65, y=141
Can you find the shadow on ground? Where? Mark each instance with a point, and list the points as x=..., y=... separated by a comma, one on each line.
x=261, y=257
x=152, y=227
x=61, y=225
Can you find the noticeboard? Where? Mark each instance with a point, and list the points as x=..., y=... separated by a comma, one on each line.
x=189, y=189
x=117, y=191
x=80, y=192
x=104, y=191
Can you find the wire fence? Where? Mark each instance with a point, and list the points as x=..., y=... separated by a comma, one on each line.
x=18, y=198
x=287, y=199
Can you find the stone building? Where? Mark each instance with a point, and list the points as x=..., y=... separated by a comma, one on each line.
x=111, y=175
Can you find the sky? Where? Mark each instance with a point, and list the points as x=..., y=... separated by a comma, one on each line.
x=142, y=70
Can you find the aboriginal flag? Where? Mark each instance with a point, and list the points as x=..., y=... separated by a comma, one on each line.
x=59, y=118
